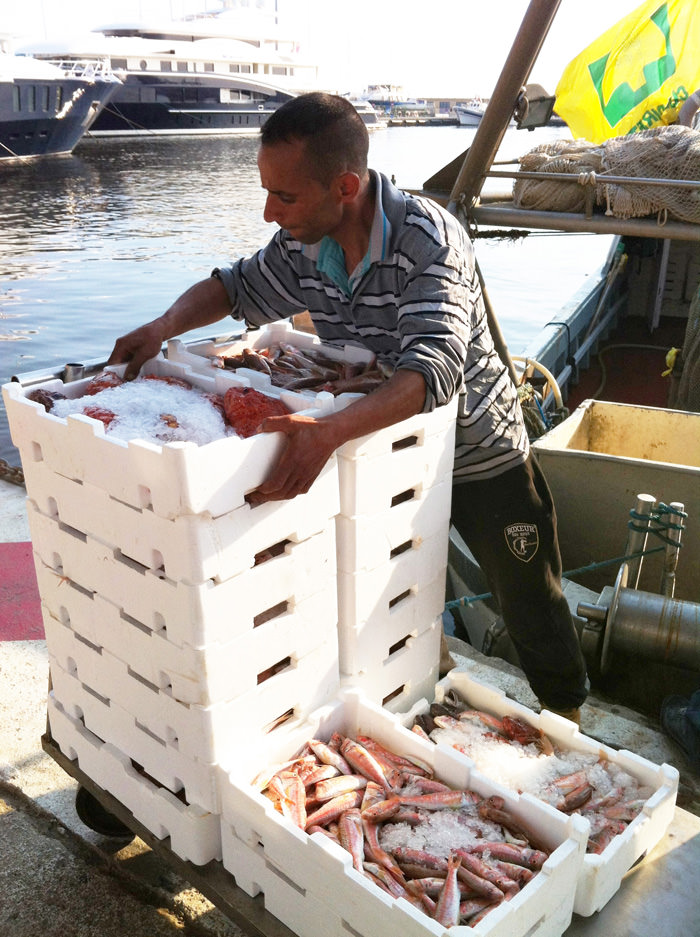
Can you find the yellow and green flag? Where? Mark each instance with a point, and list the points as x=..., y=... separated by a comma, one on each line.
x=636, y=75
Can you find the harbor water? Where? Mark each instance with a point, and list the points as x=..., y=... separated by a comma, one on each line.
x=98, y=242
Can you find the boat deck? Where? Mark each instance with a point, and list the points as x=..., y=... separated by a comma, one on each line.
x=628, y=365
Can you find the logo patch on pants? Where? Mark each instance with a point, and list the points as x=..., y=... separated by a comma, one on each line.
x=523, y=540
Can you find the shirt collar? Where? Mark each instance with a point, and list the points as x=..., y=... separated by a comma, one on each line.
x=328, y=254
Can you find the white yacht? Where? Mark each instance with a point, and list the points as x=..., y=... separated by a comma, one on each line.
x=44, y=109
x=213, y=73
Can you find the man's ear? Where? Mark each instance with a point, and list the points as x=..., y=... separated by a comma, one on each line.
x=349, y=184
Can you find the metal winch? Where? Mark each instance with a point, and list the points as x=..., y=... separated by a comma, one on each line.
x=631, y=622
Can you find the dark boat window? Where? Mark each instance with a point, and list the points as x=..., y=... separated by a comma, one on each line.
x=182, y=66
x=118, y=63
x=189, y=95
x=245, y=68
x=208, y=66
x=16, y=98
x=45, y=92
x=31, y=103
x=234, y=68
x=59, y=97
x=166, y=66
x=278, y=70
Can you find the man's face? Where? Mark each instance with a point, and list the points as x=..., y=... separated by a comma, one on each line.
x=297, y=202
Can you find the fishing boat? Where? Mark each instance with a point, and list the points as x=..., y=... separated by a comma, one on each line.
x=218, y=73
x=616, y=439
x=45, y=108
x=470, y=113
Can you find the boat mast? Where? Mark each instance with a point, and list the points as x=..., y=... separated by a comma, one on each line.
x=493, y=125
x=490, y=132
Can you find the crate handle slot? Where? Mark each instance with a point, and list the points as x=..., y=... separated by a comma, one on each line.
x=403, y=496
x=402, y=548
x=404, y=443
x=400, y=598
x=273, y=612
x=401, y=643
x=277, y=549
x=397, y=692
x=279, y=721
x=274, y=670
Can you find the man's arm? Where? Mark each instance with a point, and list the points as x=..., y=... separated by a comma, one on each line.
x=310, y=442
x=202, y=304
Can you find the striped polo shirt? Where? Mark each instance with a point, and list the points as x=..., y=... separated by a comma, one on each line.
x=416, y=303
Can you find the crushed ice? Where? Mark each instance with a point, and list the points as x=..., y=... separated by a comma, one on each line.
x=441, y=831
x=143, y=406
x=525, y=769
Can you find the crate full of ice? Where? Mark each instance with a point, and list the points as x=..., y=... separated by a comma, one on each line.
x=627, y=800
x=137, y=452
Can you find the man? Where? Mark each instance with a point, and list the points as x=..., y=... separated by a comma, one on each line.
x=395, y=274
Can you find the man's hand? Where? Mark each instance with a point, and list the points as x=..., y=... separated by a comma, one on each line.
x=309, y=445
x=137, y=347
x=202, y=304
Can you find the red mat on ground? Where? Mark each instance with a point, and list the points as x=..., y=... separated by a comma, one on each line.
x=20, y=605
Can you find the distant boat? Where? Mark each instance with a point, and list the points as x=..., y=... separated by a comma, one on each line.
x=369, y=114
x=470, y=114
x=45, y=108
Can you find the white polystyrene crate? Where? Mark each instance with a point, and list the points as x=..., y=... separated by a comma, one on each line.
x=316, y=868
x=414, y=432
x=194, y=834
x=160, y=759
x=362, y=644
x=191, y=548
x=372, y=485
x=368, y=540
x=194, y=615
x=406, y=673
x=369, y=595
x=173, y=479
x=308, y=915
x=600, y=875
x=209, y=734
x=205, y=676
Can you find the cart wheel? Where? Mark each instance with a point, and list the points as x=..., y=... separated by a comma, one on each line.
x=98, y=819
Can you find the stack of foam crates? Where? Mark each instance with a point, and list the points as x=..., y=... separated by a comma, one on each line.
x=180, y=622
x=174, y=650
x=392, y=529
x=392, y=537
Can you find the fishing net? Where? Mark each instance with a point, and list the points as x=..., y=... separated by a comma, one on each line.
x=671, y=152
